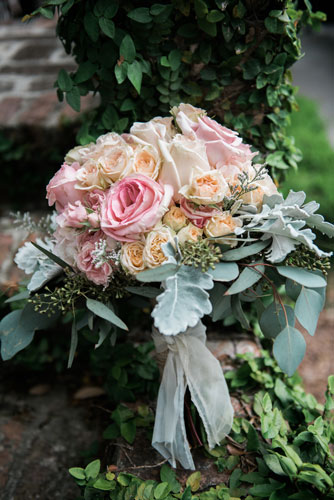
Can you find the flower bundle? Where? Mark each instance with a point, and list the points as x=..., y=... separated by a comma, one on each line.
x=177, y=211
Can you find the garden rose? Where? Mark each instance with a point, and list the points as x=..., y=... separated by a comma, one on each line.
x=89, y=176
x=154, y=130
x=175, y=218
x=78, y=154
x=197, y=214
x=263, y=186
x=189, y=233
x=132, y=257
x=222, y=225
x=66, y=246
x=96, y=270
x=180, y=158
x=133, y=206
x=61, y=189
x=223, y=146
x=73, y=215
x=146, y=160
x=205, y=188
x=153, y=254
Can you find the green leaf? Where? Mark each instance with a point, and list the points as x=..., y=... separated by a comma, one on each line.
x=201, y=8
x=234, y=480
x=77, y=473
x=224, y=271
x=253, y=442
x=245, y=251
x=161, y=491
x=74, y=343
x=135, y=75
x=104, y=484
x=272, y=461
x=307, y=278
x=215, y=16
x=93, y=469
x=127, y=49
x=107, y=26
x=184, y=292
x=111, y=432
x=14, y=335
x=238, y=312
x=273, y=319
x=308, y=307
x=105, y=312
x=289, y=349
x=264, y=490
x=121, y=72
x=187, y=494
x=160, y=273
x=168, y=475
x=174, y=59
x=128, y=431
x=73, y=99
x=194, y=481
x=91, y=25
x=248, y=278
x=251, y=68
x=221, y=304
x=144, y=291
x=209, y=28
x=140, y=15
x=85, y=71
x=64, y=81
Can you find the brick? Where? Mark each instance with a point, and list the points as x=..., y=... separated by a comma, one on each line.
x=35, y=51
x=39, y=109
x=9, y=107
x=42, y=84
x=5, y=86
x=40, y=67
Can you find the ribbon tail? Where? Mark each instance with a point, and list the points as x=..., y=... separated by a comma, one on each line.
x=169, y=434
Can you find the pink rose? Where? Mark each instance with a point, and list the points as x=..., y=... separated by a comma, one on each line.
x=223, y=146
x=133, y=206
x=197, y=214
x=97, y=271
x=73, y=215
x=61, y=188
x=94, y=199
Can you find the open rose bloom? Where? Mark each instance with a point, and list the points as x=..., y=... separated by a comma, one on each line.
x=130, y=193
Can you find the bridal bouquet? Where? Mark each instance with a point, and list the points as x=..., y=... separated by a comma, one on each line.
x=179, y=212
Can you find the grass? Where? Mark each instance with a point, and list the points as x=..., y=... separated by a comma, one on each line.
x=315, y=174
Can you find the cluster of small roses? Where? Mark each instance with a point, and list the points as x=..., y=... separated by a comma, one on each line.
x=137, y=191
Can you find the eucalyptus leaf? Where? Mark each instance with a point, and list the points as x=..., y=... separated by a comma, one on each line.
x=221, y=304
x=245, y=251
x=238, y=312
x=160, y=273
x=14, y=335
x=302, y=276
x=308, y=307
x=224, y=271
x=289, y=349
x=144, y=291
x=248, y=277
x=74, y=343
x=53, y=257
x=273, y=319
x=19, y=296
x=105, y=312
x=184, y=301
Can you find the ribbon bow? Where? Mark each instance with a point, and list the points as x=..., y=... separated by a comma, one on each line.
x=189, y=363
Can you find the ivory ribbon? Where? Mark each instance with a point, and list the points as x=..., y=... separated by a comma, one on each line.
x=189, y=363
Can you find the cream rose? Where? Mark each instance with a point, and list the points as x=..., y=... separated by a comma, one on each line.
x=262, y=187
x=89, y=177
x=222, y=225
x=132, y=257
x=206, y=188
x=153, y=254
x=175, y=218
x=146, y=160
x=189, y=233
x=180, y=158
x=78, y=154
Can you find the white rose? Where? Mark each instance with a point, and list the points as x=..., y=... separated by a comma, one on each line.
x=180, y=158
x=78, y=154
x=262, y=187
x=154, y=130
x=153, y=254
x=205, y=188
x=223, y=225
x=132, y=257
x=189, y=233
x=146, y=159
x=175, y=218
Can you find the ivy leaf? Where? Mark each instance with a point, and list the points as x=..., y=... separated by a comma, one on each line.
x=85, y=71
x=128, y=430
x=184, y=301
x=140, y=15
x=105, y=312
x=168, y=475
x=91, y=25
x=127, y=49
x=247, y=279
x=73, y=98
x=135, y=75
x=64, y=81
x=289, y=349
x=107, y=26
x=77, y=473
x=194, y=481
x=308, y=307
x=93, y=469
x=273, y=319
x=121, y=72
x=161, y=491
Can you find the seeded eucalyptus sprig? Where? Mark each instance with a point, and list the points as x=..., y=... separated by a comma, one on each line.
x=200, y=253
x=307, y=259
